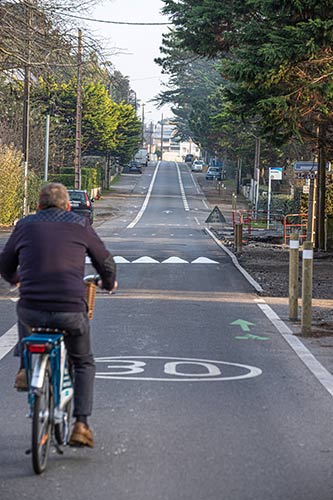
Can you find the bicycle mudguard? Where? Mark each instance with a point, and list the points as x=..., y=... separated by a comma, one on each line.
x=46, y=346
x=39, y=371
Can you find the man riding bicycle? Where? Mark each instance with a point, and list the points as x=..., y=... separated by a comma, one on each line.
x=45, y=255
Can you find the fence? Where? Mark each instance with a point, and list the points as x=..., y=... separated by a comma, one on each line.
x=295, y=223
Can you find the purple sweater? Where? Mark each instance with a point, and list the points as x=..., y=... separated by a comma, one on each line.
x=46, y=254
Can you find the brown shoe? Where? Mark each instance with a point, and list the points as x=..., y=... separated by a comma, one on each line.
x=21, y=380
x=81, y=436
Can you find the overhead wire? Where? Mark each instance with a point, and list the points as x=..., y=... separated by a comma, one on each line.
x=113, y=22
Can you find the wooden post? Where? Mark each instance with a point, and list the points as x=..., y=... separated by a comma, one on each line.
x=307, y=271
x=293, y=276
x=238, y=237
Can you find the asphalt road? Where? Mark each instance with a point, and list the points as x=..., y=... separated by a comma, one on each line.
x=188, y=405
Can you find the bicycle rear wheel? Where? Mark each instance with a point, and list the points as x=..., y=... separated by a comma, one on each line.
x=42, y=425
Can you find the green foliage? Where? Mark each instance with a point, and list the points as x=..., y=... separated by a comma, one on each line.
x=107, y=127
x=35, y=184
x=280, y=204
x=67, y=180
x=11, y=185
x=128, y=132
x=329, y=199
x=90, y=178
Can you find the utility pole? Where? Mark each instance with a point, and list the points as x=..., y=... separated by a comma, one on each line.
x=151, y=137
x=26, y=108
x=77, y=158
x=162, y=137
x=47, y=141
x=143, y=124
x=257, y=173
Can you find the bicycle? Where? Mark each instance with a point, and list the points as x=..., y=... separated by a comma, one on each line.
x=50, y=386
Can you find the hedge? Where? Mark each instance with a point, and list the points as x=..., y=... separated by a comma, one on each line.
x=90, y=178
x=11, y=185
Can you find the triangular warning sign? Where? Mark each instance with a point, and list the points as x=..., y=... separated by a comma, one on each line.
x=216, y=216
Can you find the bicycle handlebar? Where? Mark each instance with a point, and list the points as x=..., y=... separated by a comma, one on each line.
x=92, y=278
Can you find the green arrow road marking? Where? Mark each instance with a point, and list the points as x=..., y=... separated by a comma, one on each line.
x=250, y=336
x=243, y=324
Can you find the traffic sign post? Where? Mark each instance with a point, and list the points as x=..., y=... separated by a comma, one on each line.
x=274, y=174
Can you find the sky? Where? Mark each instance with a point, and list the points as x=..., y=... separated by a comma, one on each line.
x=132, y=49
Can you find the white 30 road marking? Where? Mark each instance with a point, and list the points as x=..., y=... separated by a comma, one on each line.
x=176, y=369
x=145, y=203
x=182, y=190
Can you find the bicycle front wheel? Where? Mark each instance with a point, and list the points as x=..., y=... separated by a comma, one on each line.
x=42, y=425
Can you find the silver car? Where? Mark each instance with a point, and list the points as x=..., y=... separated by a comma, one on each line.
x=197, y=166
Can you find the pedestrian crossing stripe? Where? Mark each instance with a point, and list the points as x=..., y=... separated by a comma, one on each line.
x=149, y=260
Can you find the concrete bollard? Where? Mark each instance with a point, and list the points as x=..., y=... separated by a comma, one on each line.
x=238, y=237
x=307, y=271
x=293, y=276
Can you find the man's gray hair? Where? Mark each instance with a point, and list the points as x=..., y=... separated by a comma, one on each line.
x=53, y=195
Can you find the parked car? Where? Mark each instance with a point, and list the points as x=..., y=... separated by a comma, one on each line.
x=81, y=203
x=135, y=167
x=189, y=158
x=213, y=173
x=197, y=166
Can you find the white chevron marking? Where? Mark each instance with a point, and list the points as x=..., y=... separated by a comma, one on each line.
x=174, y=260
x=145, y=260
x=120, y=260
x=204, y=260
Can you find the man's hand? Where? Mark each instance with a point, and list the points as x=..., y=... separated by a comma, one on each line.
x=115, y=286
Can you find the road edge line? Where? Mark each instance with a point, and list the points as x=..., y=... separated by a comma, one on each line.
x=145, y=203
x=309, y=360
x=233, y=257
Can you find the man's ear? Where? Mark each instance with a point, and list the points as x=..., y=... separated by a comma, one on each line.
x=68, y=208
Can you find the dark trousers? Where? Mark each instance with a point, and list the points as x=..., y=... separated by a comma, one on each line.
x=78, y=346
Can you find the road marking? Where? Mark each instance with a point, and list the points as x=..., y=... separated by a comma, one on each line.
x=235, y=262
x=8, y=341
x=204, y=260
x=315, y=367
x=250, y=336
x=120, y=260
x=178, y=369
x=197, y=220
x=244, y=325
x=205, y=204
x=174, y=260
x=182, y=190
x=145, y=203
x=145, y=260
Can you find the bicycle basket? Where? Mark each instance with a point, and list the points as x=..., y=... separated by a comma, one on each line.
x=90, y=297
